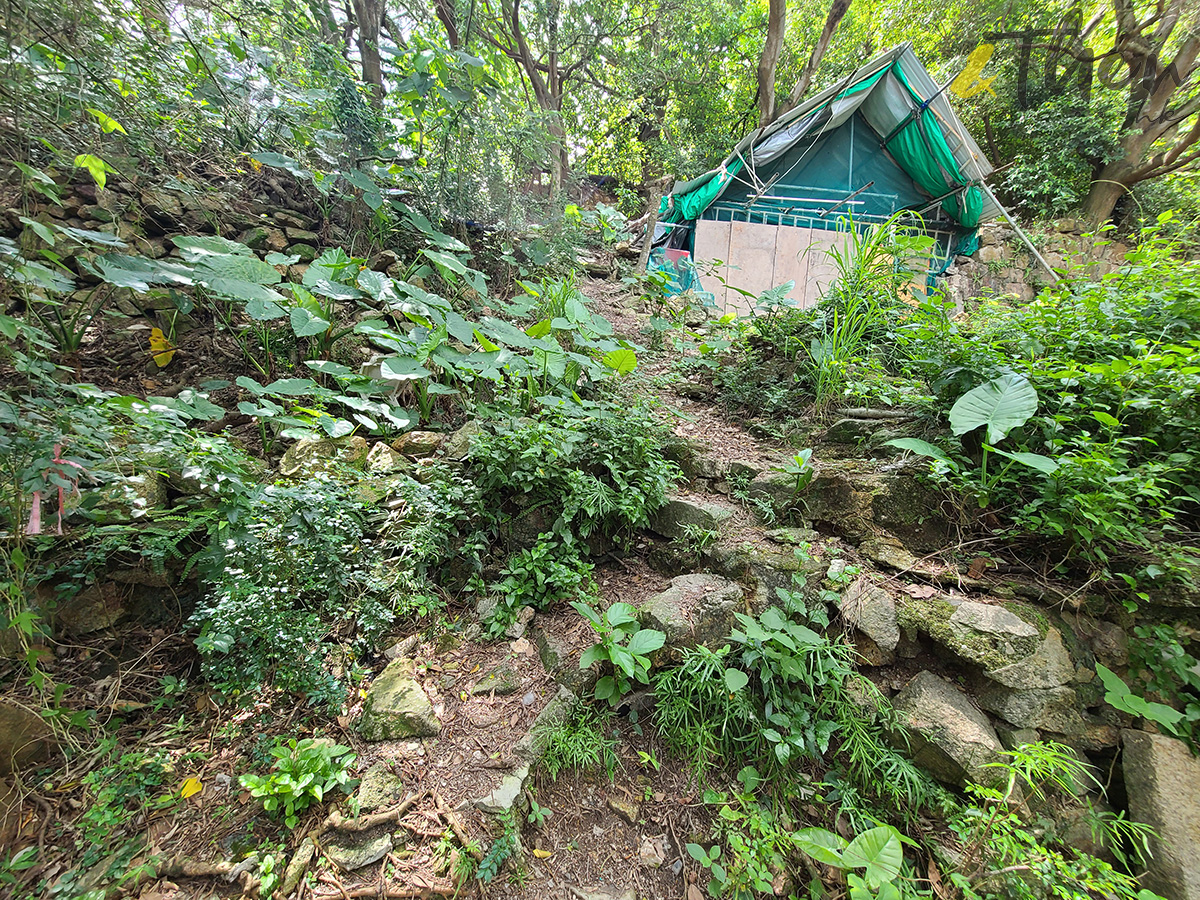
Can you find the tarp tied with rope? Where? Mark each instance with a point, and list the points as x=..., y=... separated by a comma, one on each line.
x=887, y=132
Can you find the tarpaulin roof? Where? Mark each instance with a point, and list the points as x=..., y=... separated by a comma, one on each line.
x=910, y=115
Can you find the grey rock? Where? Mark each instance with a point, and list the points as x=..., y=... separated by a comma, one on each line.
x=418, y=443
x=531, y=747
x=308, y=456
x=396, y=706
x=625, y=808
x=380, y=788
x=1049, y=709
x=302, y=236
x=305, y=253
x=350, y=852
x=501, y=679
x=1162, y=779
x=695, y=609
x=1109, y=642
x=871, y=610
x=674, y=519
x=1012, y=738
x=888, y=551
x=776, y=488
x=505, y=795
x=561, y=662
x=382, y=459
x=516, y=628
x=983, y=633
x=948, y=736
x=255, y=238
x=124, y=500
x=851, y=431
x=24, y=737
x=93, y=609
x=458, y=444
x=1049, y=666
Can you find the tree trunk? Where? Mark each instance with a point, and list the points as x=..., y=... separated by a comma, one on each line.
x=1107, y=188
x=837, y=11
x=769, y=59
x=370, y=23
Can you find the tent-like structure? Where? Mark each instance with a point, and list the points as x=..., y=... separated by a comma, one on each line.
x=884, y=139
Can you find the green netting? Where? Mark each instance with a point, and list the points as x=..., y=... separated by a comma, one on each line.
x=922, y=151
x=689, y=206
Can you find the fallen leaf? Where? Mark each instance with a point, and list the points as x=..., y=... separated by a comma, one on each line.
x=542, y=854
x=516, y=717
x=935, y=881
x=191, y=786
x=694, y=893
x=978, y=566
x=920, y=591
x=163, y=350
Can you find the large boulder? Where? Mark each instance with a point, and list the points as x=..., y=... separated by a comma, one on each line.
x=1049, y=666
x=947, y=735
x=857, y=502
x=418, y=443
x=1162, y=779
x=990, y=635
x=681, y=515
x=24, y=737
x=396, y=706
x=695, y=609
x=871, y=611
x=310, y=456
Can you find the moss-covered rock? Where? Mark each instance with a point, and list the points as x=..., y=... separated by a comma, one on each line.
x=396, y=706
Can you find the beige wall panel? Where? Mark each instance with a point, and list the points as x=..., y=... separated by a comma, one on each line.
x=751, y=262
x=712, y=242
x=792, y=260
x=822, y=271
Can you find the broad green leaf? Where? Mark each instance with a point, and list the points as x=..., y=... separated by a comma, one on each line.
x=920, y=447
x=590, y=656
x=646, y=642
x=401, y=368
x=879, y=852
x=107, y=123
x=234, y=267
x=88, y=236
x=623, y=660
x=446, y=261
x=42, y=231
x=292, y=387
x=1043, y=464
x=1105, y=419
x=822, y=845
x=539, y=329
x=264, y=310
x=305, y=323
x=622, y=361
x=736, y=679
x=698, y=853
x=194, y=248
x=620, y=613
x=1001, y=405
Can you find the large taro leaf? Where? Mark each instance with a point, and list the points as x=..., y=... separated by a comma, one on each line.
x=1001, y=404
x=194, y=248
x=137, y=272
x=879, y=852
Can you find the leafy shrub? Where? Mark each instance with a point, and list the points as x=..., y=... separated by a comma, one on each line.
x=302, y=774
x=295, y=559
x=623, y=645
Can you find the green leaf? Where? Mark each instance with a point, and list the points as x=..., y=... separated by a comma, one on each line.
x=822, y=845
x=401, y=368
x=1001, y=405
x=539, y=329
x=621, y=361
x=305, y=323
x=107, y=123
x=264, y=310
x=96, y=166
x=620, y=613
x=646, y=642
x=42, y=231
x=920, y=447
x=736, y=679
x=1043, y=464
x=878, y=851
x=699, y=854
x=1105, y=419
x=194, y=248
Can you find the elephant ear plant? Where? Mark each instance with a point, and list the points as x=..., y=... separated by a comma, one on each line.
x=623, y=644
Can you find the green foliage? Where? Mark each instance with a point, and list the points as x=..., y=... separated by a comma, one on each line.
x=549, y=571
x=879, y=852
x=581, y=743
x=302, y=774
x=623, y=645
x=505, y=848
x=1118, y=695
x=1169, y=671
x=1004, y=853
x=295, y=559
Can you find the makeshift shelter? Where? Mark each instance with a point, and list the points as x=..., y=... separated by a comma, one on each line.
x=884, y=139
